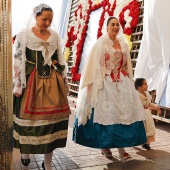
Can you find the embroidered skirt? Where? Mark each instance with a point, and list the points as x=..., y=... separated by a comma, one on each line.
x=41, y=115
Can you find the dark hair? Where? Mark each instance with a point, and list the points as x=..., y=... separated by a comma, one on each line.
x=110, y=18
x=44, y=9
x=139, y=82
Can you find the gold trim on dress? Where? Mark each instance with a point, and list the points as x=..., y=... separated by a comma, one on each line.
x=24, y=122
x=38, y=140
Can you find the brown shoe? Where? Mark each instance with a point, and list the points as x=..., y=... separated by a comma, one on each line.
x=107, y=153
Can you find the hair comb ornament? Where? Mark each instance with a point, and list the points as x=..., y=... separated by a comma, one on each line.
x=38, y=8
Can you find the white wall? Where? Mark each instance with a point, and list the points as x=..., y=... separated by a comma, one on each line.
x=91, y=36
x=22, y=9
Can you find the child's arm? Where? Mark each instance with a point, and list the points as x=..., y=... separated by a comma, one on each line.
x=155, y=107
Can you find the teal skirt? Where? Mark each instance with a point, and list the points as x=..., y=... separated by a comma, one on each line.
x=111, y=136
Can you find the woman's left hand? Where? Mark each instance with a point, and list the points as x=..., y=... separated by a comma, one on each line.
x=17, y=94
x=67, y=88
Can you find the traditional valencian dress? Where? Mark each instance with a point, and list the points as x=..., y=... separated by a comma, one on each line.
x=148, y=122
x=41, y=113
x=109, y=111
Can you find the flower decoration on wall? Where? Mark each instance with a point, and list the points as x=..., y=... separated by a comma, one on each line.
x=129, y=17
x=126, y=11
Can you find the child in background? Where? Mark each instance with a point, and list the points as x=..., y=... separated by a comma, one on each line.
x=141, y=86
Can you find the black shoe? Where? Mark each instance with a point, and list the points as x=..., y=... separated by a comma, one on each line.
x=146, y=146
x=25, y=162
x=43, y=166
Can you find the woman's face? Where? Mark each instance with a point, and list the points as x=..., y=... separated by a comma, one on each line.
x=44, y=20
x=113, y=27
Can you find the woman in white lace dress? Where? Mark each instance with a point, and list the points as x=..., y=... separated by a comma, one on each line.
x=109, y=111
x=40, y=89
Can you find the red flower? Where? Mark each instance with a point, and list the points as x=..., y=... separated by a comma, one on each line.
x=134, y=13
x=128, y=31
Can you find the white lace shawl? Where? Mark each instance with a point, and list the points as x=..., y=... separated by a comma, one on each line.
x=26, y=38
x=93, y=74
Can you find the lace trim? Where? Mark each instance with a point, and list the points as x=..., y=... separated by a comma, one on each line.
x=41, y=139
x=19, y=78
x=22, y=122
x=123, y=106
x=47, y=47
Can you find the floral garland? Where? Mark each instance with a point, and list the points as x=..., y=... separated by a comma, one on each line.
x=128, y=16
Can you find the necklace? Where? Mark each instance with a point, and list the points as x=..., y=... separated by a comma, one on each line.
x=41, y=31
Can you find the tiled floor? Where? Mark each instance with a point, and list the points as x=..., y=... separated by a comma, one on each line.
x=74, y=156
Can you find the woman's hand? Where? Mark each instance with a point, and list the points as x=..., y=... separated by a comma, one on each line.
x=17, y=94
x=67, y=89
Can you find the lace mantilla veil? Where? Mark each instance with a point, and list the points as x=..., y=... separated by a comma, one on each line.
x=93, y=74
